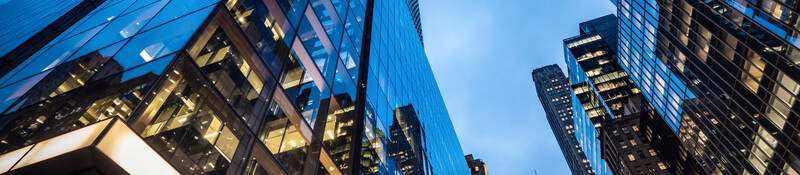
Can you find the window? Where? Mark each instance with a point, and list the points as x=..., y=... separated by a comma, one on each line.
x=652, y=152
x=662, y=166
x=182, y=110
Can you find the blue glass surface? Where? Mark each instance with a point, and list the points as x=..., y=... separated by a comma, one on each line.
x=176, y=9
x=39, y=14
x=47, y=59
x=103, y=16
x=121, y=28
x=161, y=41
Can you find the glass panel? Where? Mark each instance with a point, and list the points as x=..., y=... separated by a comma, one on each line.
x=103, y=16
x=51, y=57
x=71, y=110
x=12, y=92
x=121, y=28
x=177, y=9
x=335, y=139
x=293, y=9
x=320, y=49
x=160, y=41
x=140, y=3
x=354, y=31
x=330, y=19
x=350, y=58
x=283, y=140
x=301, y=90
x=234, y=77
x=64, y=78
x=185, y=129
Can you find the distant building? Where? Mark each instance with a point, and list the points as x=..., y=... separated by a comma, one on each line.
x=476, y=166
x=553, y=90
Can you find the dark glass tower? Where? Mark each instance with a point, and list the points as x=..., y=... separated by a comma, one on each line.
x=554, y=91
x=609, y=110
x=723, y=74
x=227, y=87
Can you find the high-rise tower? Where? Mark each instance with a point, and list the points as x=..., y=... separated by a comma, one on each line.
x=723, y=74
x=226, y=87
x=553, y=89
x=609, y=109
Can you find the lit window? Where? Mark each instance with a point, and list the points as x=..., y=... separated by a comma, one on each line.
x=662, y=166
x=631, y=158
x=652, y=152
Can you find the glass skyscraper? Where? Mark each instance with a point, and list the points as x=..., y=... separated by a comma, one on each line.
x=553, y=89
x=616, y=127
x=599, y=90
x=227, y=87
x=724, y=74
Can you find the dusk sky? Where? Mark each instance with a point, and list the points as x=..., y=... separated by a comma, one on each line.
x=482, y=53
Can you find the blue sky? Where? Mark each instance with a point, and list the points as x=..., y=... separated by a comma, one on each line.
x=482, y=53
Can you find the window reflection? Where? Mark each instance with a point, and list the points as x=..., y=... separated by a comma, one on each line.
x=187, y=131
x=301, y=89
x=46, y=59
x=121, y=28
x=338, y=124
x=161, y=41
x=283, y=140
x=69, y=100
x=234, y=77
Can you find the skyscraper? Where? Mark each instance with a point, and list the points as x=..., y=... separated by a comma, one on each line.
x=608, y=110
x=599, y=89
x=553, y=89
x=226, y=87
x=723, y=74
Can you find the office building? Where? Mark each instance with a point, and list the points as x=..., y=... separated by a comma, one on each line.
x=642, y=143
x=225, y=87
x=476, y=166
x=595, y=83
x=553, y=89
x=723, y=74
x=609, y=109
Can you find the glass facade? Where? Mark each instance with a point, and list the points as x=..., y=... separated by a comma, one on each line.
x=44, y=21
x=600, y=91
x=239, y=86
x=723, y=73
x=608, y=110
x=553, y=89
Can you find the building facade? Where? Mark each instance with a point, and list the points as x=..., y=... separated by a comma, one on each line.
x=600, y=91
x=44, y=22
x=610, y=110
x=476, y=166
x=226, y=87
x=642, y=143
x=723, y=74
x=553, y=89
